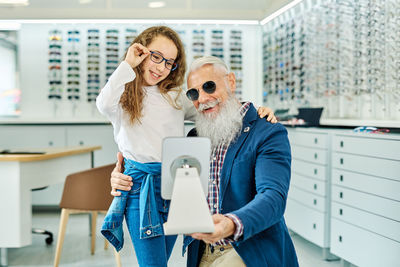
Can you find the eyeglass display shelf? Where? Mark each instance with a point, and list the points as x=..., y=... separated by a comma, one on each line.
x=361, y=122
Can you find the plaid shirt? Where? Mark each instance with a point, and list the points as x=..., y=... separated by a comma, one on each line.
x=217, y=161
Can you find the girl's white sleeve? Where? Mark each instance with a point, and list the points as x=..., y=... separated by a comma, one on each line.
x=108, y=100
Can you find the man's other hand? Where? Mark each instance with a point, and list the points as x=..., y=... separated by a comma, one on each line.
x=224, y=227
x=119, y=180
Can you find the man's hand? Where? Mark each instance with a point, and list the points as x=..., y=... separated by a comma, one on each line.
x=264, y=111
x=224, y=227
x=119, y=180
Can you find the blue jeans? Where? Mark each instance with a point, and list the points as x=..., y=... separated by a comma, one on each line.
x=152, y=251
x=145, y=212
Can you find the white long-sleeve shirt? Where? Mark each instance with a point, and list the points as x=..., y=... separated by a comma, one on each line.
x=142, y=142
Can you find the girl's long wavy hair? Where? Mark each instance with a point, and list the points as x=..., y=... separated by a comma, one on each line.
x=132, y=98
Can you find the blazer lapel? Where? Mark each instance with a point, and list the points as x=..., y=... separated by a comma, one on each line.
x=234, y=148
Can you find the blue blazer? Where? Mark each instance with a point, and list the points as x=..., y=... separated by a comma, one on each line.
x=254, y=186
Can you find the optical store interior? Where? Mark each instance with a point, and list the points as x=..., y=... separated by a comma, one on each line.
x=329, y=70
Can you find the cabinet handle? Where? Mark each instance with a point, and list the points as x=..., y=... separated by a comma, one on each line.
x=81, y=143
x=315, y=202
x=341, y=161
x=315, y=155
x=341, y=178
x=315, y=171
x=341, y=194
x=315, y=186
x=340, y=238
x=341, y=211
x=341, y=144
x=51, y=143
x=315, y=140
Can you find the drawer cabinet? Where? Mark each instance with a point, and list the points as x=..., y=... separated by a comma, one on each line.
x=367, y=202
x=362, y=247
x=314, y=171
x=366, y=183
x=366, y=220
x=310, y=200
x=313, y=139
x=313, y=155
x=367, y=145
x=312, y=226
x=365, y=195
x=386, y=168
x=308, y=205
x=310, y=185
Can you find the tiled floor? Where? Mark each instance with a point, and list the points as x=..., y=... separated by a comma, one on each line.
x=76, y=250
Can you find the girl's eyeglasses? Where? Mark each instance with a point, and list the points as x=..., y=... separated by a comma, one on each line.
x=158, y=58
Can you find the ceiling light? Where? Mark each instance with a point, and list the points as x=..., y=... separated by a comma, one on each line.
x=156, y=4
x=83, y=2
x=14, y=2
x=280, y=11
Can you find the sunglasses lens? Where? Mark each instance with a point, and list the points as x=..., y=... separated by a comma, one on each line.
x=192, y=94
x=209, y=87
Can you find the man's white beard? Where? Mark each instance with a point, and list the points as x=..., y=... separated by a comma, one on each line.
x=222, y=127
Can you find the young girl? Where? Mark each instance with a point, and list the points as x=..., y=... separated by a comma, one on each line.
x=144, y=102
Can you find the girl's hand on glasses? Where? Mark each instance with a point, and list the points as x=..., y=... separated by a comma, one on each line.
x=266, y=111
x=136, y=54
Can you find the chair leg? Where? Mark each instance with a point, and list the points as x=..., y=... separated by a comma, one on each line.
x=105, y=244
x=61, y=235
x=94, y=220
x=117, y=258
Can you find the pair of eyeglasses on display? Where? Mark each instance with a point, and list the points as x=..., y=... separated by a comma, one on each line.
x=54, y=56
x=92, y=93
x=110, y=43
x=54, y=60
x=112, y=49
x=72, y=39
x=112, y=37
x=93, y=81
x=54, y=67
x=73, y=90
x=73, y=82
x=158, y=58
x=52, y=82
x=53, y=96
x=209, y=87
x=370, y=129
x=73, y=97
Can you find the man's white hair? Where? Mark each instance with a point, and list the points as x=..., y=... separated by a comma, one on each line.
x=208, y=60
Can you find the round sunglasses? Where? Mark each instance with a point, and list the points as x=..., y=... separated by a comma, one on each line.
x=208, y=87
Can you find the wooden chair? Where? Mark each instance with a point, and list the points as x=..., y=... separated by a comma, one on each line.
x=85, y=192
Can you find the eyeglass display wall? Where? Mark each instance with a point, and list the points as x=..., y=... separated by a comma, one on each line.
x=64, y=66
x=343, y=55
x=223, y=43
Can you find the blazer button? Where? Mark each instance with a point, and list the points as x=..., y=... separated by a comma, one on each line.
x=148, y=232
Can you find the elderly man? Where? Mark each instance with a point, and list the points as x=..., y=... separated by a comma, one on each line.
x=249, y=176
